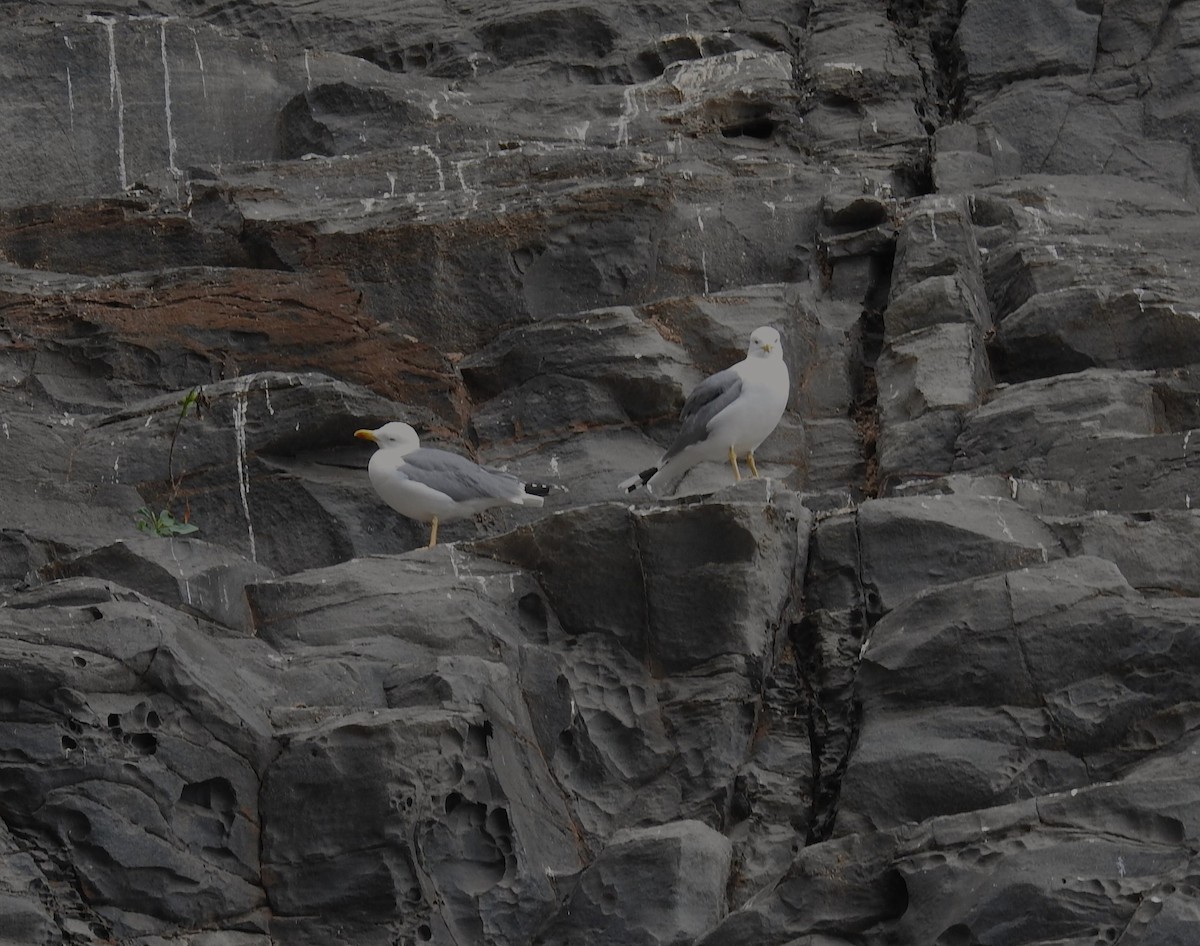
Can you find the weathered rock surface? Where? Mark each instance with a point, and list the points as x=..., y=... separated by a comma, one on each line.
x=929, y=681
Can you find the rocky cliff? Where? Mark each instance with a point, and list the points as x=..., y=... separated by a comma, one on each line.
x=935, y=679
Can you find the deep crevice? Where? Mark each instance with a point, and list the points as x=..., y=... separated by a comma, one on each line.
x=834, y=717
x=865, y=414
x=260, y=253
x=758, y=127
x=938, y=21
x=932, y=24
x=62, y=894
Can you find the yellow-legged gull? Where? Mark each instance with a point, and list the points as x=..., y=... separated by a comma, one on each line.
x=726, y=416
x=435, y=485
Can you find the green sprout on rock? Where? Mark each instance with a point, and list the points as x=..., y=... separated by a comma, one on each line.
x=164, y=523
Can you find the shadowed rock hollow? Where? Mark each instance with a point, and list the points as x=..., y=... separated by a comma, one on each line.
x=934, y=680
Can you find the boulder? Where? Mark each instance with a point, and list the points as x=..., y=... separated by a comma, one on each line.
x=436, y=800
x=142, y=761
x=1155, y=551
x=184, y=573
x=940, y=369
x=25, y=918
x=890, y=550
x=970, y=876
x=1085, y=327
x=936, y=239
x=1001, y=42
x=968, y=155
x=686, y=865
x=651, y=600
x=1069, y=714
x=1100, y=431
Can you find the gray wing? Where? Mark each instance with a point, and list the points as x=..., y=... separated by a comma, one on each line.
x=707, y=400
x=456, y=476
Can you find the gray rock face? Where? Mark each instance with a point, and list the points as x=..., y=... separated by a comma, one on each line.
x=930, y=680
x=1069, y=717
x=632, y=869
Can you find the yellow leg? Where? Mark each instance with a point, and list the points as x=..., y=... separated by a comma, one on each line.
x=433, y=533
x=737, y=474
x=750, y=460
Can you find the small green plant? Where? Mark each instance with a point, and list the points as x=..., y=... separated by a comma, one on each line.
x=190, y=400
x=162, y=523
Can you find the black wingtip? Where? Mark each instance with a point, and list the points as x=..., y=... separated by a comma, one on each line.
x=638, y=479
x=539, y=489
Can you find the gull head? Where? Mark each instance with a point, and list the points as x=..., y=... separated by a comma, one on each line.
x=389, y=436
x=764, y=343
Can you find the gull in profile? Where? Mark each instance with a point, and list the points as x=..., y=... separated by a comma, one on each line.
x=435, y=486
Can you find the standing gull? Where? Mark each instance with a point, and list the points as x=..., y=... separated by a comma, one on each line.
x=726, y=416
x=437, y=486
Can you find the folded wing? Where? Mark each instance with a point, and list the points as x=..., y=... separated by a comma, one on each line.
x=459, y=478
x=707, y=400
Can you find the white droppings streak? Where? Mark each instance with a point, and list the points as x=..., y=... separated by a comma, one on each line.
x=116, y=99
x=391, y=176
x=4, y=427
x=117, y=469
x=703, y=255
x=70, y=100
x=437, y=163
x=162, y=43
x=578, y=132
x=1187, y=497
x=553, y=458
x=851, y=67
x=307, y=70
x=267, y=392
x=463, y=569
x=240, y=403
x=200, y=63
x=470, y=191
x=187, y=588
x=629, y=111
